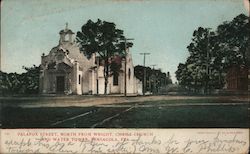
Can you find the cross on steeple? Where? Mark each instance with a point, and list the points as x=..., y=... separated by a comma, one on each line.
x=66, y=25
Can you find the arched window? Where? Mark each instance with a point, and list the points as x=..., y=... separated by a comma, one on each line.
x=129, y=74
x=79, y=79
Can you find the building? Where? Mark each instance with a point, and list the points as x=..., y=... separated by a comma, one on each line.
x=66, y=70
x=238, y=78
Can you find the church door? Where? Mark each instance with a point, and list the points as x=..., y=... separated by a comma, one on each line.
x=60, y=83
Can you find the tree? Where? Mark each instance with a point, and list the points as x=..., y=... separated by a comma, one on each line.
x=201, y=69
x=30, y=80
x=155, y=79
x=213, y=52
x=183, y=75
x=5, y=83
x=234, y=40
x=105, y=40
x=194, y=73
x=25, y=83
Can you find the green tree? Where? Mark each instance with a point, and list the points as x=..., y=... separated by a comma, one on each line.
x=105, y=40
x=212, y=53
x=25, y=83
x=183, y=75
x=194, y=73
x=155, y=79
x=233, y=40
x=5, y=83
x=30, y=80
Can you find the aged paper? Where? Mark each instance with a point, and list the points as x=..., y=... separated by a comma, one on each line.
x=171, y=141
x=124, y=76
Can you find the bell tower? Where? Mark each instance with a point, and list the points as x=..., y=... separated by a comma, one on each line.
x=66, y=35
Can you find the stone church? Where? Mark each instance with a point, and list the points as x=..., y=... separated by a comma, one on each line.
x=66, y=70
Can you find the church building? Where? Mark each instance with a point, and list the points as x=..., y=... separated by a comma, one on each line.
x=65, y=70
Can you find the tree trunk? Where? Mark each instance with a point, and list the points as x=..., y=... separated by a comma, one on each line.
x=106, y=75
x=106, y=85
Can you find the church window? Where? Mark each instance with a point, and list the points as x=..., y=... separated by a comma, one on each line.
x=115, y=79
x=129, y=73
x=79, y=79
x=52, y=65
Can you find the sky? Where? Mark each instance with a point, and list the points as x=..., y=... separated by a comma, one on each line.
x=162, y=28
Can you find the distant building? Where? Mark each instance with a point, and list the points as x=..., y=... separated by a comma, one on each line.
x=238, y=78
x=66, y=70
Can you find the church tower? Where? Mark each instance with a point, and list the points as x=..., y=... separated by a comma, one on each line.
x=66, y=35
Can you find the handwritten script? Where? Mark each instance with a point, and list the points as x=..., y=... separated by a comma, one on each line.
x=112, y=143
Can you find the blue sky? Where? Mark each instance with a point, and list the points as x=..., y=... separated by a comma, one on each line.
x=161, y=27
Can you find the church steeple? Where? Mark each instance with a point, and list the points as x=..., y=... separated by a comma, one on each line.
x=66, y=35
x=66, y=27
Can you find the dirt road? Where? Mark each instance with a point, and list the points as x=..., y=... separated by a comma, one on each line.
x=86, y=101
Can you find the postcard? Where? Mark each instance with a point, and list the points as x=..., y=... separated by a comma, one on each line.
x=125, y=76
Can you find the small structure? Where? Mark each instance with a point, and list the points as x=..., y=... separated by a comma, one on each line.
x=238, y=78
x=66, y=70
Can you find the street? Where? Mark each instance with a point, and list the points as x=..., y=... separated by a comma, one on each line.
x=125, y=112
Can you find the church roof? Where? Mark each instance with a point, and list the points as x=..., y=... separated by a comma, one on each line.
x=74, y=53
x=66, y=31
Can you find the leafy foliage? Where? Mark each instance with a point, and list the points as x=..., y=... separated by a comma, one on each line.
x=155, y=79
x=25, y=83
x=105, y=40
x=213, y=52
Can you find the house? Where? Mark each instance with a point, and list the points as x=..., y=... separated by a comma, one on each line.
x=238, y=78
x=66, y=70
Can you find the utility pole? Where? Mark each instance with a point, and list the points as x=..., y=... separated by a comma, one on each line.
x=97, y=76
x=154, y=78
x=125, y=67
x=144, y=74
